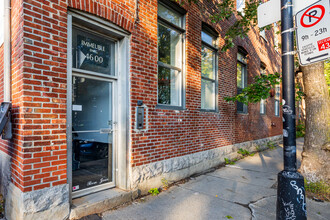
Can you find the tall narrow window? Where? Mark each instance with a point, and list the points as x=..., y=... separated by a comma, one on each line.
x=263, y=101
x=170, y=56
x=277, y=100
x=241, y=79
x=209, y=71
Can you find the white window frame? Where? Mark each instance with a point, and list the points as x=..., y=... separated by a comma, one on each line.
x=214, y=50
x=181, y=69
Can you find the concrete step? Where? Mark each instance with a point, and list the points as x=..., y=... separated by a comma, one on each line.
x=100, y=202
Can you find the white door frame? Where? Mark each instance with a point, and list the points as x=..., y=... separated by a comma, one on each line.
x=121, y=85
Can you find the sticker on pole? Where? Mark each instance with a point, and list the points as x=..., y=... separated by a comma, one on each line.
x=313, y=32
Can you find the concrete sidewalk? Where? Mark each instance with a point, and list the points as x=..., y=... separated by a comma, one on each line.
x=246, y=190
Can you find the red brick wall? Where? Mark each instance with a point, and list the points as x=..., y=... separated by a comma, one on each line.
x=119, y=12
x=176, y=133
x=39, y=93
x=39, y=33
x=12, y=148
x=39, y=88
x=253, y=125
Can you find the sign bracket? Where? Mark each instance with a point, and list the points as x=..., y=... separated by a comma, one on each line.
x=289, y=30
x=287, y=5
x=289, y=53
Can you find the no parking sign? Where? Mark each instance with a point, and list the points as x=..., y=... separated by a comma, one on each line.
x=312, y=16
x=313, y=32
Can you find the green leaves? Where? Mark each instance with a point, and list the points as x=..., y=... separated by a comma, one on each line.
x=299, y=93
x=242, y=24
x=231, y=162
x=300, y=129
x=153, y=191
x=244, y=20
x=271, y=145
x=327, y=73
x=2, y=209
x=260, y=89
x=318, y=190
x=268, y=27
x=226, y=9
x=244, y=152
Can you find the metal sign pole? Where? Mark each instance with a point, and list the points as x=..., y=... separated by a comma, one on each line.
x=291, y=201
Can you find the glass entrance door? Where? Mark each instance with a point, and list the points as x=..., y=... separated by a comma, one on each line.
x=92, y=134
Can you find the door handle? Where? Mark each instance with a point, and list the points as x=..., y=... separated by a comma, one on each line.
x=106, y=130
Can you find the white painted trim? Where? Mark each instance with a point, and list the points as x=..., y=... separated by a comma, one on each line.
x=120, y=98
x=123, y=116
x=69, y=107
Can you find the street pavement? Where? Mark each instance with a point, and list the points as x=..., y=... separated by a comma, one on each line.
x=245, y=190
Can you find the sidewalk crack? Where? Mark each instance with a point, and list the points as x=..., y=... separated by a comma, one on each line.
x=255, y=201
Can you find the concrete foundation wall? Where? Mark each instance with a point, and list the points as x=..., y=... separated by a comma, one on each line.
x=150, y=175
x=4, y=172
x=53, y=202
x=48, y=203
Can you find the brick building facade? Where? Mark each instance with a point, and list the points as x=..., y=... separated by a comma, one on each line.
x=120, y=94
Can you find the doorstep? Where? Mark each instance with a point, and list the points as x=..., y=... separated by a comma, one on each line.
x=100, y=202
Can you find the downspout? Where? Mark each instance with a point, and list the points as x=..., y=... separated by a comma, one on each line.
x=7, y=54
x=5, y=110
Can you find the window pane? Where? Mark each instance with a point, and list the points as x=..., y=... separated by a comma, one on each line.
x=169, y=46
x=277, y=107
x=208, y=94
x=93, y=53
x=277, y=92
x=169, y=86
x=241, y=57
x=91, y=149
x=90, y=95
x=262, y=106
x=240, y=107
x=170, y=15
x=208, y=63
x=240, y=79
x=207, y=38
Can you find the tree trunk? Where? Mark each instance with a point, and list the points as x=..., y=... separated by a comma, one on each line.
x=315, y=165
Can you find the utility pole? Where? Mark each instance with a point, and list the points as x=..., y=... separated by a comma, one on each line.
x=291, y=200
